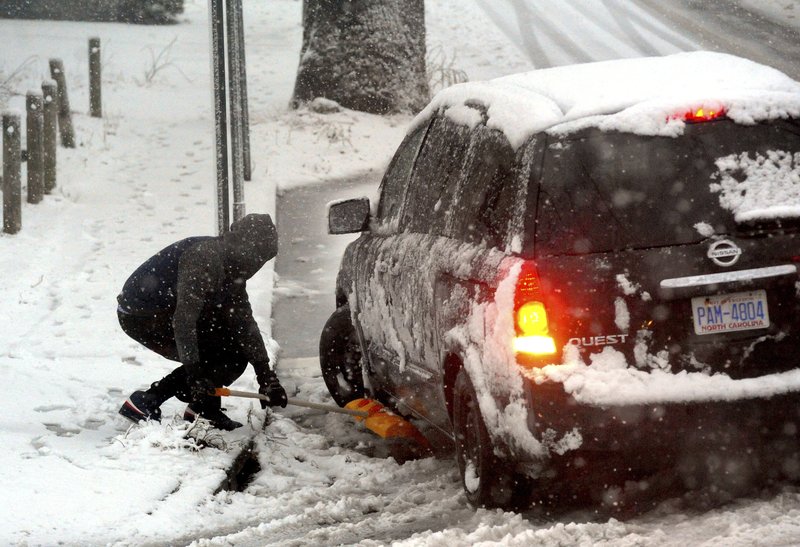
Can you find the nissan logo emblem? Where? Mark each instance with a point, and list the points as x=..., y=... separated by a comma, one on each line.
x=724, y=252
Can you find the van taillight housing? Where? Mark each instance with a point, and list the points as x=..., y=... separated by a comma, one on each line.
x=530, y=315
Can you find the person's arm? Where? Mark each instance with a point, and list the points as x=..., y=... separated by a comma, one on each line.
x=198, y=272
x=251, y=341
x=256, y=352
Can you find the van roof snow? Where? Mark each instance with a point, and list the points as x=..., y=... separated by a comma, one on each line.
x=646, y=96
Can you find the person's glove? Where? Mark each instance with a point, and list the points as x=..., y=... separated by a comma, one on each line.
x=201, y=387
x=273, y=389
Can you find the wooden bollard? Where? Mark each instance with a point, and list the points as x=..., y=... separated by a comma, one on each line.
x=49, y=140
x=64, y=114
x=95, y=79
x=33, y=126
x=12, y=185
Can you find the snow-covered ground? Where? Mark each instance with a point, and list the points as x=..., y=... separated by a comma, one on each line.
x=76, y=473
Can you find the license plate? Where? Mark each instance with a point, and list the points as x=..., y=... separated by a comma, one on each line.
x=730, y=312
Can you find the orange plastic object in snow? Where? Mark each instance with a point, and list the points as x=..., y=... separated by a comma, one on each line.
x=385, y=423
x=376, y=417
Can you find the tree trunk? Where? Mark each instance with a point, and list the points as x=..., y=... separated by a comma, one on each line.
x=367, y=55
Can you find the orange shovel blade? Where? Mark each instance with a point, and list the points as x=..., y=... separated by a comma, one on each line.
x=385, y=423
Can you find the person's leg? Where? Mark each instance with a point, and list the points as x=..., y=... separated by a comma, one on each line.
x=156, y=334
x=174, y=384
x=152, y=331
x=224, y=371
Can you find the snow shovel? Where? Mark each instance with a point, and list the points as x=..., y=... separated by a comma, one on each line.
x=385, y=423
x=375, y=416
x=225, y=392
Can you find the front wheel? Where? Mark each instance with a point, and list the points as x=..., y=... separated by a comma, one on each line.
x=488, y=480
x=340, y=358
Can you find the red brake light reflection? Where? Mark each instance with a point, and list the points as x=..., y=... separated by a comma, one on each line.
x=527, y=285
x=703, y=115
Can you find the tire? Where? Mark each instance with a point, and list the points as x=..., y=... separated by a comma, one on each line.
x=488, y=480
x=340, y=358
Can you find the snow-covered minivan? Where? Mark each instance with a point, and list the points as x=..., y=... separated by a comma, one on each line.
x=583, y=262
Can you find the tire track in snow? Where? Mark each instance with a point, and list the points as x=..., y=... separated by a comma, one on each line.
x=727, y=26
x=583, y=32
x=624, y=20
x=658, y=27
x=628, y=20
x=531, y=48
x=568, y=32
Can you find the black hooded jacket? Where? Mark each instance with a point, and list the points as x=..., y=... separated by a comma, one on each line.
x=201, y=282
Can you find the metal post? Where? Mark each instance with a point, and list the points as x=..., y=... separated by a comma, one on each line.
x=34, y=126
x=50, y=109
x=64, y=114
x=248, y=165
x=95, y=79
x=12, y=185
x=220, y=121
x=235, y=78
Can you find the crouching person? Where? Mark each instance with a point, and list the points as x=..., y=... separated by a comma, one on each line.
x=189, y=303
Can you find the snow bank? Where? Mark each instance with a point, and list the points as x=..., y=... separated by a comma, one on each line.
x=647, y=96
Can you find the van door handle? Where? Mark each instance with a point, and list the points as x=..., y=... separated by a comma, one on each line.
x=728, y=277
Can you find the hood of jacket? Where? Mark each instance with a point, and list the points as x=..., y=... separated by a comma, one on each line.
x=249, y=244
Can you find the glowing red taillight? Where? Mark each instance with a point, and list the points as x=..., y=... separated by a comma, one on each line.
x=530, y=315
x=703, y=114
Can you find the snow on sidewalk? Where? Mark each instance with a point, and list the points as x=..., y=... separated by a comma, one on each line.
x=141, y=177
x=74, y=471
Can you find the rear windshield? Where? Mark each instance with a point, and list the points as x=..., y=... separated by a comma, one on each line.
x=606, y=191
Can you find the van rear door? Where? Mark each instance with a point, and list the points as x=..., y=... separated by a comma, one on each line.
x=680, y=251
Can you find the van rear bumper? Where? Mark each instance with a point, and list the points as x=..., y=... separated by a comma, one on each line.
x=662, y=427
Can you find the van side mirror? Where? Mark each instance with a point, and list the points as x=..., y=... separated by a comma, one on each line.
x=348, y=216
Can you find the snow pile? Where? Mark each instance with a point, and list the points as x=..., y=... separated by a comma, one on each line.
x=704, y=229
x=608, y=380
x=646, y=96
x=760, y=187
x=629, y=288
x=505, y=529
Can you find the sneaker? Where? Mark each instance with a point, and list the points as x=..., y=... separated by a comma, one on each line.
x=217, y=418
x=141, y=406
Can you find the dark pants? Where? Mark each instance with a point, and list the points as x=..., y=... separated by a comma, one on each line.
x=219, y=361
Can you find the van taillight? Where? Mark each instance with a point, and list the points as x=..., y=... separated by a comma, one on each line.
x=530, y=315
x=703, y=114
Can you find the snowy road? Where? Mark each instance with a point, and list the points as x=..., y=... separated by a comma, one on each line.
x=309, y=261
x=580, y=31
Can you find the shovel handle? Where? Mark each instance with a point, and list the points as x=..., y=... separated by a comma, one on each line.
x=225, y=392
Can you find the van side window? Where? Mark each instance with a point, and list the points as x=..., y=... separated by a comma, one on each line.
x=396, y=179
x=435, y=178
x=486, y=191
